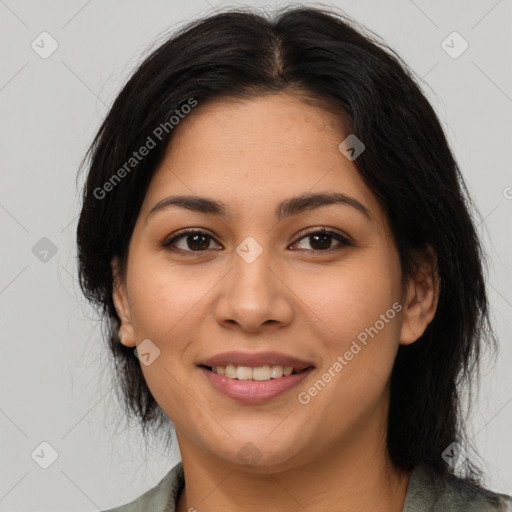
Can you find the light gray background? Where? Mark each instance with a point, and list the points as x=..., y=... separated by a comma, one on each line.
x=54, y=386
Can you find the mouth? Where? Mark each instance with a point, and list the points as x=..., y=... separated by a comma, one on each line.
x=254, y=384
x=254, y=378
x=239, y=364
x=257, y=373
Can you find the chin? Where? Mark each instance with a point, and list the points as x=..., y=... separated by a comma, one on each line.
x=261, y=454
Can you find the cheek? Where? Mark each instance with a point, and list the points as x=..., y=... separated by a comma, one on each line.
x=167, y=307
x=358, y=360
x=350, y=298
x=164, y=298
x=358, y=328
x=164, y=309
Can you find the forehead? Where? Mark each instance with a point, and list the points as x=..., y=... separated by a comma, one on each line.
x=257, y=151
x=275, y=121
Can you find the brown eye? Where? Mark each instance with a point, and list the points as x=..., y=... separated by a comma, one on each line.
x=321, y=240
x=190, y=241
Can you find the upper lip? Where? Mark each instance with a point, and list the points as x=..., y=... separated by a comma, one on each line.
x=255, y=359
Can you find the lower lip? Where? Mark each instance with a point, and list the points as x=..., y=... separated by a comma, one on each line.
x=254, y=391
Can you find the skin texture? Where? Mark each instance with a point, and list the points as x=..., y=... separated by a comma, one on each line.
x=328, y=454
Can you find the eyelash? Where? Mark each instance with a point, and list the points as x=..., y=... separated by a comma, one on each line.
x=343, y=241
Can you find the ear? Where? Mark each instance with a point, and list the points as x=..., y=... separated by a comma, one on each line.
x=421, y=297
x=120, y=297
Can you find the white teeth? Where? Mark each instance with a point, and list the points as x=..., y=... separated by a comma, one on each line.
x=266, y=372
x=230, y=371
x=261, y=373
x=276, y=371
x=243, y=373
x=287, y=370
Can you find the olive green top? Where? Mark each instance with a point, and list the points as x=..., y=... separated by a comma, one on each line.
x=425, y=493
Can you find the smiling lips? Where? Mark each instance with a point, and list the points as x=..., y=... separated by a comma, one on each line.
x=253, y=378
x=255, y=359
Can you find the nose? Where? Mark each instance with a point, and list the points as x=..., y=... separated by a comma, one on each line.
x=253, y=296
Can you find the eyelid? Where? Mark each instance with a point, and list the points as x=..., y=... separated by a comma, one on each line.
x=183, y=233
x=322, y=229
x=343, y=239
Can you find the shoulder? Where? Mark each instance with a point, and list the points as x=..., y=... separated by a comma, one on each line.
x=161, y=498
x=428, y=493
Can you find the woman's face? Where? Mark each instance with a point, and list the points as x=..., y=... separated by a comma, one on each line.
x=261, y=279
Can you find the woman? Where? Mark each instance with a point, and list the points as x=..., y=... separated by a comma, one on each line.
x=277, y=231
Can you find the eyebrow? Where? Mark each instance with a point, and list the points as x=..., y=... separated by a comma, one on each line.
x=287, y=208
